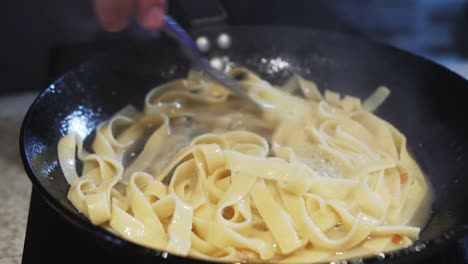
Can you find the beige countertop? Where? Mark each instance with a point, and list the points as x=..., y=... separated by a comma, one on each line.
x=15, y=187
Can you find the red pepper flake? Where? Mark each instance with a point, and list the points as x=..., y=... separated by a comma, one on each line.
x=404, y=177
x=396, y=239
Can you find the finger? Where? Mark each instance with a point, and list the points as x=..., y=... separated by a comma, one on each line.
x=113, y=14
x=151, y=13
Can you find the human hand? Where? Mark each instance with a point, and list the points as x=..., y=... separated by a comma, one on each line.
x=113, y=15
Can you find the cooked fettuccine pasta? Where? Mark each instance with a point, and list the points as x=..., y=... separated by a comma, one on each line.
x=314, y=177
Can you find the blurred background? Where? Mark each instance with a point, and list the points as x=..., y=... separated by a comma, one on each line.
x=43, y=39
x=38, y=34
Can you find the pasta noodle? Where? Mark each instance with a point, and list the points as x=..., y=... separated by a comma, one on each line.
x=199, y=173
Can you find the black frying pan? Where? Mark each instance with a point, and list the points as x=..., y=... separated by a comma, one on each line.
x=427, y=105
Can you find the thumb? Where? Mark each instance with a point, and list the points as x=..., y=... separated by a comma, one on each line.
x=151, y=13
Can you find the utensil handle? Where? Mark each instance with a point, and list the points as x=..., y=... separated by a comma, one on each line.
x=174, y=30
x=198, y=14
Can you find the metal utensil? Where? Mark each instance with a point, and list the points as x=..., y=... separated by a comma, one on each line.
x=173, y=29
